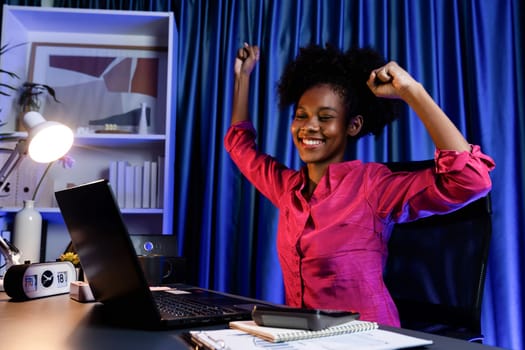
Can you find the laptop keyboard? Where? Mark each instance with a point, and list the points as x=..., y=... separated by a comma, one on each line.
x=177, y=305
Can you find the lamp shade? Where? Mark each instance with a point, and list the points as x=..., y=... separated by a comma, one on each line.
x=48, y=140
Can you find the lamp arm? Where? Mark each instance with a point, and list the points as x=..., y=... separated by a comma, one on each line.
x=10, y=252
x=12, y=162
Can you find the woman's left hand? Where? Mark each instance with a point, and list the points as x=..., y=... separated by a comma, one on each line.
x=391, y=81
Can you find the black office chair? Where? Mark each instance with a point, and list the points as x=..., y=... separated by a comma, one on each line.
x=436, y=268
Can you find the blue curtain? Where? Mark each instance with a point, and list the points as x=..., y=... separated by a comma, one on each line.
x=468, y=54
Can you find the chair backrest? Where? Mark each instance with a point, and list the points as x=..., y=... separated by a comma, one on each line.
x=437, y=265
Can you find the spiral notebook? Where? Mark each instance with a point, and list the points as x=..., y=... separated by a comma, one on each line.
x=277, y=335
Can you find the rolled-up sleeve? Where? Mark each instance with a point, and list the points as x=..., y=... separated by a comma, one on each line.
x=457, y=179
x=464, y=175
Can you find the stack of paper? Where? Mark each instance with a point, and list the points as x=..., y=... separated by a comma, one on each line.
x=359, y=335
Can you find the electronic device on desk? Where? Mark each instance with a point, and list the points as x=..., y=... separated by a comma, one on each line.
x=160, y=250
x=165, y=245
x=31, y=281
x=300, y=318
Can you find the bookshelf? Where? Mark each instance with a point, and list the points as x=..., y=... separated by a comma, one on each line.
x=131, y=60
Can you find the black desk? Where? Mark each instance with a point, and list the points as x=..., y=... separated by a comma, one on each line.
x=60, y=323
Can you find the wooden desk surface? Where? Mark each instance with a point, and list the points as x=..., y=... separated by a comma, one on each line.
x=58, y=323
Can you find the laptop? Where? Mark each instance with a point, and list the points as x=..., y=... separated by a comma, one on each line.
x=110, y=263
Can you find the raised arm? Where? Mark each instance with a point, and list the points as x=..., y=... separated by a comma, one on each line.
x=391, y=81
x=247, y=57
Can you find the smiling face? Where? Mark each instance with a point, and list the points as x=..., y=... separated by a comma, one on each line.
x=320, y=128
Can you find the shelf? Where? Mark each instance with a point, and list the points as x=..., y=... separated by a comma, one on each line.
x=124, y=211
x=67, y=21
x=95, y=139
x=116, y=139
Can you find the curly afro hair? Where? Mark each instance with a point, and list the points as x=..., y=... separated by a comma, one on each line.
x=347, y=73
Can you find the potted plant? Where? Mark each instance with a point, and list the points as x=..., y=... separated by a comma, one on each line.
x=30, y=99
x=4, y=86
x=30, y=96
x=5, y=89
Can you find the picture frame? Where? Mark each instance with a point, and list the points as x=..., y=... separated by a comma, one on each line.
x=100, y=88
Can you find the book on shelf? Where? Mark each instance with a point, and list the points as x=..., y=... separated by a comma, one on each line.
x=146, y=179
x=121, y=182
x=129, y=186
x=113, y=175
x=364, y=336
x=137, y=199
x=160, y=182
x=153, y=185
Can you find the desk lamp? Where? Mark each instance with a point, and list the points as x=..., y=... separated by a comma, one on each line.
x=46, y=142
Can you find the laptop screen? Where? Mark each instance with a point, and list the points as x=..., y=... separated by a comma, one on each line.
x=100, y=237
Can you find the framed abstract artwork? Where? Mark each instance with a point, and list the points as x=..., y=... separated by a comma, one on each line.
x=101, y=85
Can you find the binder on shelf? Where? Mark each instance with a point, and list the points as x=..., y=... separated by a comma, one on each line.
x=146, y=179
x=121, y=182
x=129, y=187
x=153, y=185
x=137, y=203
x=160, y=182
x=113, y=174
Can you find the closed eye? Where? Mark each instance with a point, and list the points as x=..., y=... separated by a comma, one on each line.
x=325, y=118
x=300, y=117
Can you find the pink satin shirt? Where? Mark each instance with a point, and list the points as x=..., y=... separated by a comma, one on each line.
x=333, y=247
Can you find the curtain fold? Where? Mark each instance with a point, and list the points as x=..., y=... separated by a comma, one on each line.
x=469, y=56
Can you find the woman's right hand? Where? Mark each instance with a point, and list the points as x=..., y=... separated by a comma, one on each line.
x=247, y=57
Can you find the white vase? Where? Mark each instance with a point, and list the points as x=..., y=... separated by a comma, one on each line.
x=143, y=122
x=28, y=232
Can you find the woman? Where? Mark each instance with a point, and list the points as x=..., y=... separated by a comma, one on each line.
x=335, y=216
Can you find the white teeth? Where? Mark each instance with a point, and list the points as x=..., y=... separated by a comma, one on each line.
x=312, y=142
